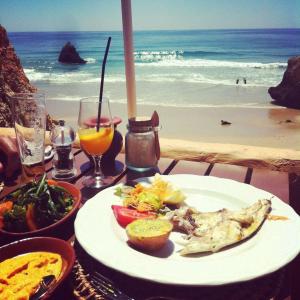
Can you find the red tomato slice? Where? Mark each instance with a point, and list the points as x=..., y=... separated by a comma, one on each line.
x=126, y=215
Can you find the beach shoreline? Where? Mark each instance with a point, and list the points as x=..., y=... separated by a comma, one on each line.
x=271, y=126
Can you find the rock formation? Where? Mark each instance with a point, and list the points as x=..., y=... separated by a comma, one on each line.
x=287, y=93
x=69, y=55
x=12, y=78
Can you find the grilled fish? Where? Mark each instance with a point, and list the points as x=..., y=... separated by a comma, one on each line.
x=212, y=231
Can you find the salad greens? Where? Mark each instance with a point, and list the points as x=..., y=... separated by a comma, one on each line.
x=36, y=205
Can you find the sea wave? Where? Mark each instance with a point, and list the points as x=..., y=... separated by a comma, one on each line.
x=72, y=77
x=146, y=102
x=211, y=63
x=86, y=77
x=251, y=105
x=198, y=53
x=151, y=56
x=221, y=106
x=90, y=60
x=64, y=98
x=111, y=79
x=179, y=58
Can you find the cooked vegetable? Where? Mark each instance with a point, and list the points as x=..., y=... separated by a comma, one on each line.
x=30, y=218
x=126, y=215
x=36, y=205
x=4, y=207
x=149, y=235
x=151, y=198
x=147, y=201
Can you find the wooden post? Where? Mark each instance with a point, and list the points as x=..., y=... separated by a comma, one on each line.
x=129, y=58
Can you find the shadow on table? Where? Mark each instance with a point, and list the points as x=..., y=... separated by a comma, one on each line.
x=261, y=288
x=112, y=171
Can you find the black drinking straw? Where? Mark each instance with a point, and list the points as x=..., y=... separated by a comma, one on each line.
x=102, y=82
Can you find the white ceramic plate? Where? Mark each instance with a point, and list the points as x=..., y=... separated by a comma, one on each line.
x=274, y=245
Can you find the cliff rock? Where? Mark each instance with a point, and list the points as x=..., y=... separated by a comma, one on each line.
x=287, y=93
x=12, y=78
x=69, y=55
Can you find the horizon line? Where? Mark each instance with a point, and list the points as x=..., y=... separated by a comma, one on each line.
x=148, y=30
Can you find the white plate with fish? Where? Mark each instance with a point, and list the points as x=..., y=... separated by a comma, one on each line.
x=274, y=245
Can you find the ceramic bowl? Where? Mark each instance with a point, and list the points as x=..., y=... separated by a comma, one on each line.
x=74, y=191
x=47, y=244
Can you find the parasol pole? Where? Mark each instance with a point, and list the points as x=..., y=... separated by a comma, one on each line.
x=129, y=58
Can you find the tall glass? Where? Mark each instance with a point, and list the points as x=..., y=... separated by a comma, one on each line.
x=95, y=141
x=29, y=113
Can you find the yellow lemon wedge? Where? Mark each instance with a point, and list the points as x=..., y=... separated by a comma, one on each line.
x=172, y=197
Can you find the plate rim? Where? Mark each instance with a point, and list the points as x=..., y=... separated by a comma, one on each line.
x=180, y=282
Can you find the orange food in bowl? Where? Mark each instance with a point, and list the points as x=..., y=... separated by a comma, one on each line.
x=56, y=247
x=20, y=276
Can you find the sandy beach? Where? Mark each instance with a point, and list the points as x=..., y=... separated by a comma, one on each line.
x=258, y=137
x=273, y=126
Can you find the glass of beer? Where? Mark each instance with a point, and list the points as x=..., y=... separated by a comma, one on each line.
x=29, y=113
x=95, y=139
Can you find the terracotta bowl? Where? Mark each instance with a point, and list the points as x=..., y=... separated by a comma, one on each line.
x=47, y=244
x=74, y=191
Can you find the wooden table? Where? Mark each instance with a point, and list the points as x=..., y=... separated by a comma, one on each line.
x=285, y=186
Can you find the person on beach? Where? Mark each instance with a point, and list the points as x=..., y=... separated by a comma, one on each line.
x=245, y=81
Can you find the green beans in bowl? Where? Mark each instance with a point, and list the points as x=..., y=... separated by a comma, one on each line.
x=38, y=207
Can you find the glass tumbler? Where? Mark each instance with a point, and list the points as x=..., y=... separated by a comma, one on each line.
x=29, y=113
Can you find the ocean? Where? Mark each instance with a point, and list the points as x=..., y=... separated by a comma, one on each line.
x=173, y=68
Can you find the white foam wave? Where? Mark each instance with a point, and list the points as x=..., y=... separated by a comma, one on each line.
x=146, y=102
x=157, y=55
x=34, y=75
x=198, y=105
x=210, y=63
x=90, y=60
x=86, y=77
x=64, y=98
x=72, y=77
x=28, y=71
x=199, y=78
x=111, y=79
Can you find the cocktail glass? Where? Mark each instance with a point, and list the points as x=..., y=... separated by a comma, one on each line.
x=95, y=141
x=29, y=114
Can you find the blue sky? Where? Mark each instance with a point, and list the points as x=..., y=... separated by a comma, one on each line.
x=72, y=15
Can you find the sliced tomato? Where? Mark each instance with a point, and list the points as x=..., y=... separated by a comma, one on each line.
x=126, y=215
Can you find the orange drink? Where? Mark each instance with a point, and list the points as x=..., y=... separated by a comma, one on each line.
x=96, y=142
